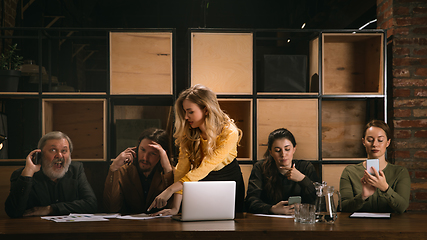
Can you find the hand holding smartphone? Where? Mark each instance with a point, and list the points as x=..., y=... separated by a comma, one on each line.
x=294, y=199
x=134, y=155
x=36, y=158
x=372, y=163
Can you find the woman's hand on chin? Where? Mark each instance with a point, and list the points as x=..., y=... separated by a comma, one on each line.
x=293, y=174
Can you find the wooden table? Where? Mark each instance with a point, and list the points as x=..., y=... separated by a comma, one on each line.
x=245, y=226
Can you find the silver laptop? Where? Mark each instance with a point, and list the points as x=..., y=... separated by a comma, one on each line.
x=208, y=200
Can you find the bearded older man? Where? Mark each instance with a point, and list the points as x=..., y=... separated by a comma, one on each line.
x=59, y=188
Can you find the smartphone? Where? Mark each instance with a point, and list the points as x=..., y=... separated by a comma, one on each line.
x=135, y=157
x=37, y=157
x=294, y=199
x=372, y=163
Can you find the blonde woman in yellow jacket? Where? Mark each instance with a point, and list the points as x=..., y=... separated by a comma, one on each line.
x=207, y=140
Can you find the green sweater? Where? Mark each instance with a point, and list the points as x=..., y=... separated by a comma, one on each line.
x=394, y=200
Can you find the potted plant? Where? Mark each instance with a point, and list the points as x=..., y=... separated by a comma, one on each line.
x=10, y=63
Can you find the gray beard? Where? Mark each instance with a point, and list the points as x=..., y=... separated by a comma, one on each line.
x=47, y=168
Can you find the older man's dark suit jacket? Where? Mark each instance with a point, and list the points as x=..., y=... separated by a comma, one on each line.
x=73, y=191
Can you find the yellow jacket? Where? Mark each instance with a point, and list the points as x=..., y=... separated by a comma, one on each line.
x=225, y=153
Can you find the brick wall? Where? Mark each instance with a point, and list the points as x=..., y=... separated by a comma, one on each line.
x=10, y=13
x=406, y=25
x=8, y=20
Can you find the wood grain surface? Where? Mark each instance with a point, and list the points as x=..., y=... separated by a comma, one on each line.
x=245, y=226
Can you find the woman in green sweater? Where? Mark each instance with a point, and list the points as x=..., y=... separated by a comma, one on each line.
x=387, y=190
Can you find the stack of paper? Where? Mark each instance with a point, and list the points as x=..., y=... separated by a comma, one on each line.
x=76, y=218
x=141, y=216
x=98, y=217
x=370, y=215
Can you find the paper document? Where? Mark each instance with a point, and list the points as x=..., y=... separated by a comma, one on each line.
x=107, y=215
x=277, y=216
x=141, y=216
x=75, y=218
x=370, y=215
x=98, y=217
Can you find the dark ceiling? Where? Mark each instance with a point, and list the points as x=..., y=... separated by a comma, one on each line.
x=184, y=14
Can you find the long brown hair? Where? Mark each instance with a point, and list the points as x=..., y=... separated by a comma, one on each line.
x=188, y=138
x=269, y=167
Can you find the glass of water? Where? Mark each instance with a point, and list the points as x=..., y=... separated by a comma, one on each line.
x=306, y=213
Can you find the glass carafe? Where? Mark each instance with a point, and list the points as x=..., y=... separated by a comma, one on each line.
x=326, y=209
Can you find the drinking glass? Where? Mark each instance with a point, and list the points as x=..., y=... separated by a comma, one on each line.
x=306, y=213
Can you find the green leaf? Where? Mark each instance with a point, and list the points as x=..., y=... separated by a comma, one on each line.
x=10, y=60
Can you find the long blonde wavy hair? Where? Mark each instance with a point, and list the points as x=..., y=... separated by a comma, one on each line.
x=188, y=138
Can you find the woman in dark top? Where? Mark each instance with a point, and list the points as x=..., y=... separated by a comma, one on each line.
x=277, y=177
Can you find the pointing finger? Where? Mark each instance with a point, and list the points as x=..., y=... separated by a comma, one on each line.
x=153, y=205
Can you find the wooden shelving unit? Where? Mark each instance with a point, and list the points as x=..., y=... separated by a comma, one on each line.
x=83, y=120
x=298, y=116
x=132, y=78
x=353, y=63
x=321, y=85
x=223, y=58
x=341, y=87
x=240, y=110
x=141, y=63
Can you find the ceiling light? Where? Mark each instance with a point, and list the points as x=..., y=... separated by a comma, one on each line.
x=362, y=27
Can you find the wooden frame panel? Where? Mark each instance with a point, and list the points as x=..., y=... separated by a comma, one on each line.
x=246, y=172
x=240, y=110
x=83, y=120
x=5, y=173
x=164, y=113
x=141, y=63
x=353, y=63
x=300, y=116
x=160, y=114
x=222, y=61
x=331, y=174
x=314, y=65
x=342, y=126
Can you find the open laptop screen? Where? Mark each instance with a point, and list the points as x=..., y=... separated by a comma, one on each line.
x=208, y=200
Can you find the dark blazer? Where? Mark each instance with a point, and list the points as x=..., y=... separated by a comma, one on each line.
x=74, y=193
x=257, y=200
x=123, y=190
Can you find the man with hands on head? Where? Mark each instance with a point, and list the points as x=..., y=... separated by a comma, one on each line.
x=53, y=186
x=139, y=174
